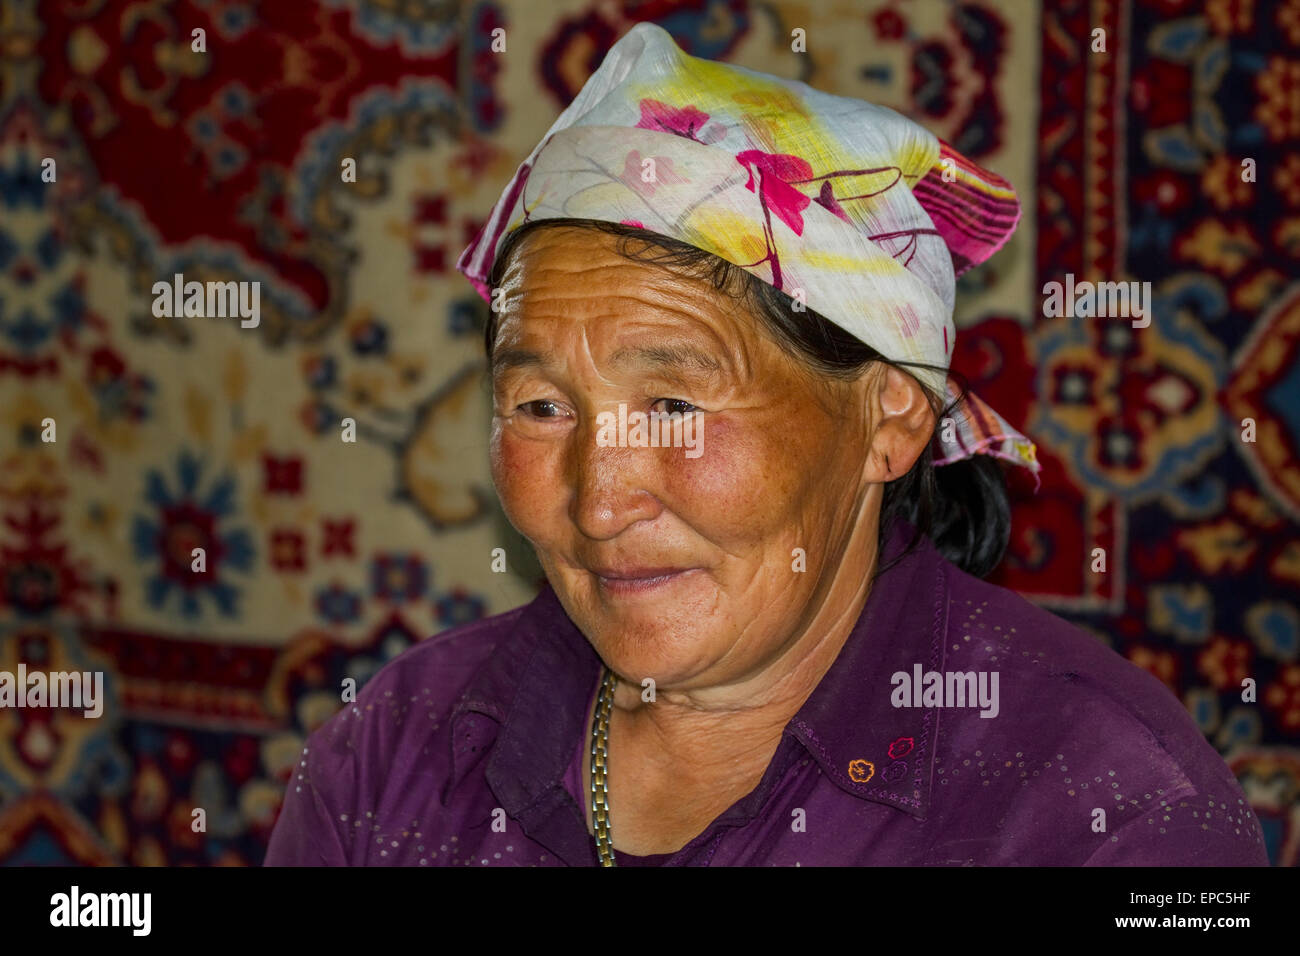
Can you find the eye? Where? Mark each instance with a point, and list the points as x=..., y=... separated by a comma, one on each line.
x=542, y=408
x=684, y=407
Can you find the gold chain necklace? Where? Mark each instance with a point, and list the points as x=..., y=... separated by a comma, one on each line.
x=600, y=769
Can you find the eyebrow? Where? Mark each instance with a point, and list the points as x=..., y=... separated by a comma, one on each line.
x=667, y=358
x=509, y=358
x=664, y=358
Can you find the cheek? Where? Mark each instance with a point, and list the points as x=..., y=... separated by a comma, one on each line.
x=745, y=486
x=527, y=479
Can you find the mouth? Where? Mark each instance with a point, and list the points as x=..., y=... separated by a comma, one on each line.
x=638, y=580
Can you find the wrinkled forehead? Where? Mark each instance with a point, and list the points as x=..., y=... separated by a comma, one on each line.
x=565, y=277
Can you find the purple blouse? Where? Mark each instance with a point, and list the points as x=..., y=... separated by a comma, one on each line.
x=960, y=725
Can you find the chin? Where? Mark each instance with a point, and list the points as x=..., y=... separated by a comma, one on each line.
x=668, y=639
x=670, y=656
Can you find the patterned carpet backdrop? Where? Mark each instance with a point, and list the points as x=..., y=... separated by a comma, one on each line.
x=325, y=558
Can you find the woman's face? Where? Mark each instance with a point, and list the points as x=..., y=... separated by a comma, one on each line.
x=677, y=568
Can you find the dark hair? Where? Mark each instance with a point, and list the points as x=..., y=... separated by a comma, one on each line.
x=962, y=507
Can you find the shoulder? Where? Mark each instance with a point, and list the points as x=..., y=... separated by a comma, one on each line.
x=401, y=720
x=1054, y=674
x=385, y=756
x=441, y=666
x=1091, y=740
x=425, y=682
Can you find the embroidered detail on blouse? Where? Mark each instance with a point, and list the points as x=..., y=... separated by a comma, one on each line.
x=901, y=747
x=860, y=771
x=894, y=772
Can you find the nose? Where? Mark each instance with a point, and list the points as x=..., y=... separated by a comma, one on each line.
x=611, y=485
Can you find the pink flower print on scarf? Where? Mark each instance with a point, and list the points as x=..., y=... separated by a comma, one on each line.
x=826, y=198
x=775, y=172
x=685, y=121
x=633, y=177
x=911, y=322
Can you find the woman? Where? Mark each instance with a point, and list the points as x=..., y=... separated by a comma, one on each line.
x=764, y=639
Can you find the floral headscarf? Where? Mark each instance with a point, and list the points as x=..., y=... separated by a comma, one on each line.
x=850, y=208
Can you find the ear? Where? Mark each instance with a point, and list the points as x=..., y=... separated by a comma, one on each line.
x=904, y=424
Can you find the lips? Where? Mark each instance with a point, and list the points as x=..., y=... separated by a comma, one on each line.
x=633, y=580
x=635, y=574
